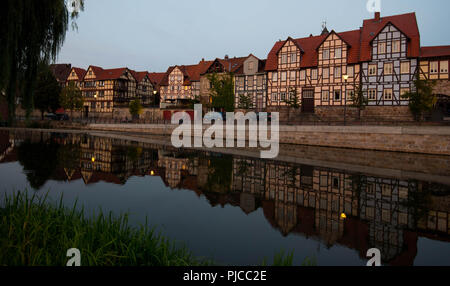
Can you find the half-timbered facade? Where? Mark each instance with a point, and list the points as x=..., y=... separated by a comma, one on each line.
x=389, y=55
x=434, y=65
x=250, y=82
x=175, y=89
x=144, y=88
x=338, y=70
x=76, y=75
x=105, y=89
x=220, y=67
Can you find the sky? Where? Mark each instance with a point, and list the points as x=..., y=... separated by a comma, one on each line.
x=153, y=35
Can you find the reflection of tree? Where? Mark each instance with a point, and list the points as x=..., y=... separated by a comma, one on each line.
x=69, y=156
x=134, y=153
x=220, y=174
x=419, y=201
x=39, y=161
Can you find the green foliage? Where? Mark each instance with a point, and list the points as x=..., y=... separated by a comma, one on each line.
x=32, y=32
x=135, y=108
x=292, y=100
x=34, y=232
x=194, y=101
x=245, y=101
x=222, y=91
x=358, y=99
x=422, y=100
x=46, y=95
x=71, y=98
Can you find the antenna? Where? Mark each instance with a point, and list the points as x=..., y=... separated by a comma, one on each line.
x=324, y=25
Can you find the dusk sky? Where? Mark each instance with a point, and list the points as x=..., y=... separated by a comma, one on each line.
x=153, y=35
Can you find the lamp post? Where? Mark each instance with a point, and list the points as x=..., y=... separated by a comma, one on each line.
x=95, y=106
x=154, y=104
x=345, y=77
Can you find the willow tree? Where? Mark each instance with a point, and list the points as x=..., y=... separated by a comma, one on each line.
x=30, y=32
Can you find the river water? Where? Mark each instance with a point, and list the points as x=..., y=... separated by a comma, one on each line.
x=327, y=205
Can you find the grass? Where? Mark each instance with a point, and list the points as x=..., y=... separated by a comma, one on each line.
x=34, y=232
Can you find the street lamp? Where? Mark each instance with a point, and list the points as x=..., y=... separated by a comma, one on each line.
x=345, y=77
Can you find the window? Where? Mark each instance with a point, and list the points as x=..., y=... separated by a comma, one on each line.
x=250, y=66
x=350, y=71
x=396, y=46
x=349, y=95
x=326, y=54
x=284, y=58
x=283, y=76
x=103, y=104
x=314, y=74
x=387, y=94
x=293, y=75
x=372, y=95
x=444, y=67
x=382, y=48
x=293, y=58
x=434, y=67
x=274, y=96
x=338, y=53
x=325, y=95
x=337, y=72
x=388, y=68
x=259, y=80
x=240, y=82
x=326, y=73
x=302, y=74
x=291, y=95
x=250, y=81
x=275, y=76
x=373, y=70
x=283, y=96
x=108, y=104
x=337, y=95
x=404, y=68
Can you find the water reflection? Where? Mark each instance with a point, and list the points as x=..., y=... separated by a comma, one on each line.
x=388, y=213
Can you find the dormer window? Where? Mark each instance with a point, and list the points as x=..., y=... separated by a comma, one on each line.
x=283, y=58
x=396, y=46
x=250, y=66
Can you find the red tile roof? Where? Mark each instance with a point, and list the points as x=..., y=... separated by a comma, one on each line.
x=437, y=51
x=406, y=23
x=156, y=77
x=358, y=40
x=191, y=72
x=261, y=65
x=139, y=76
x=79, y=72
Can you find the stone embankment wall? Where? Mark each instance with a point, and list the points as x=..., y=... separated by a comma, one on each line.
x=426, y=140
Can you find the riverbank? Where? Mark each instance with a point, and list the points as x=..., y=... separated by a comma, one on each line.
x=407, y=139
x=34, y=232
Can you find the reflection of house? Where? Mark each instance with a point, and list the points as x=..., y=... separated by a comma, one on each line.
x=177, y=168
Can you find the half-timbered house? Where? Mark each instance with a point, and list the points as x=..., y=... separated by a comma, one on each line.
x=144, y=88
x=434, y=63
x=250, y=82
x=390, y=48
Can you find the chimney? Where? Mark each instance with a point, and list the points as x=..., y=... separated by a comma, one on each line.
x=377, y=16
x=226, y=57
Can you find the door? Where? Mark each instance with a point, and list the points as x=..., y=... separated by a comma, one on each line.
x=86, y=111
x=308, y=101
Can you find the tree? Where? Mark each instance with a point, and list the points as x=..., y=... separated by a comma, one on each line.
x=421, y=100
x=32, y=31
x=222, y=91
x=359, y=100
x=245, y=101
x=46, y=94
x=71, y=98
x=135, y=108
x=292, y=101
